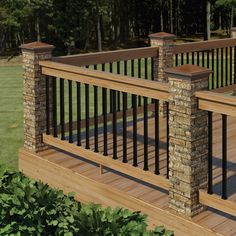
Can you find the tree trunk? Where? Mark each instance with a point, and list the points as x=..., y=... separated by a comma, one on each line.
x=171, y=17
x=99, y=34
x=220, y=20
x=161, y=19
x=37, y=29
x=208, y=20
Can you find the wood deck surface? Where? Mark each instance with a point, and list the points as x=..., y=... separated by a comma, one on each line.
x=212, y=219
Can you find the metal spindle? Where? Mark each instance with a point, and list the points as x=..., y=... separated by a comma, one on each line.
x=224, y=156
x=47, y=82
x=157, y=138
x=118, y=92
x=134, y=104
x=203, y=58
x=70, y=112
x=192, y=58
x=182, y=58
x=167, y=140
x=54, y=106
x=210, y=190
x=87, y=130
x=226, y=66
x=62, y=109
x=104, y=108
x=95, y=119
x=146, y=68
x=78, y=93
x=230, y=66
x=217, y=68
x=213, y=69
x=152, y=67
x=114, y=125
x=198, y=58
x=111, y=97
x=222, y=66
x=187, y=55
x=145, y=119
x=176, y=59
x=125, y=127
x=139, y=76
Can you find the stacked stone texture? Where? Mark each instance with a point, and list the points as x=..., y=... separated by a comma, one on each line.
x=165, y=44
x=34, y=97
x=188, y=145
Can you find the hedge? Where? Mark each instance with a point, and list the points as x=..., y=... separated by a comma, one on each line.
x=28, y=207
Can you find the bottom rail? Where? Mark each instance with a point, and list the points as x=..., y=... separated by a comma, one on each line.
x=108, y=162
x=216, y=202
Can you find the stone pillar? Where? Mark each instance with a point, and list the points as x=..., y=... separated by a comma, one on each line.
x=188, y=139
x=34, y=94
x=233, y=35
x=165, y=43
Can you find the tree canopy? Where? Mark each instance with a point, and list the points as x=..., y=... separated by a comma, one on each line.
x=95, y=24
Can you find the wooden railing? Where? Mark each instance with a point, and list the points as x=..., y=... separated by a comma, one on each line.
x=89, y=130
x=217, y=55
x=219, y=101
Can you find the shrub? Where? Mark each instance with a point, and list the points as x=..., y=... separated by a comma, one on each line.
x=28, y=207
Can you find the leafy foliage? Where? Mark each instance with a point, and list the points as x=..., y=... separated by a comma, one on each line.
x=28, y=207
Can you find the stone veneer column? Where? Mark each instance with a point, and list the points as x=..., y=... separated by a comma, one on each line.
x=233, y=35
x=165, y=42
x=188, y=139
x=34, y=94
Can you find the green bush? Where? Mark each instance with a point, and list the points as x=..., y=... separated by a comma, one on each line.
x=28, y=207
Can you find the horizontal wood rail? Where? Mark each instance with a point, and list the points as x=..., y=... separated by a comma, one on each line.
x=204, y=45
x=217, y=102
x=146, y=88
x=109, y=118
x=107, y=57
x=216, y=202
x=108, y=162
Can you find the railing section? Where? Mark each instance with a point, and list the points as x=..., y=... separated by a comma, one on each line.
x=86, y=112
x=217, y=55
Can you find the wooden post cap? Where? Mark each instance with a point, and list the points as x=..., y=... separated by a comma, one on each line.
x=162, y=35
x=188, y=72
x=37, y=47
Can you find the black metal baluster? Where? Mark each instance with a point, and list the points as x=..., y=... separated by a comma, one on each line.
x=111, y=97
x=208, y=65
x=145, y=136
x=62, y=109
x=182, y=58
x=70, y=112
x=176, y=59
x=118, y=92
x=167, y=140
x=95, y=67
x=78, y=93
x=187, y=55
x=157, y=138
x=226, y=66
x=146, y=68
x=134, y=104
x=87, y=129
x=104, y=108
x=125, y=127
x=203, y=58
x=193, y=58
x=139, y=76
x=125, y=68
x=213, y=69
x=103, y=67
x=217, y=68
x=54, y=106
x=210, y=190
x=95, y=119
x=222, y=66
x=114, y=126
x=230, y=66
x=152, y=68
x=198, y=58
x=47, y=82
x=224, y=156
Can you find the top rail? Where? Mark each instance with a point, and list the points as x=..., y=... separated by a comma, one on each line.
x=146, y=88
x=106, y=57
x=204, y=45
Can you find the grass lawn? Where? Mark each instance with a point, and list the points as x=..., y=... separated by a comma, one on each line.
x=11, y=114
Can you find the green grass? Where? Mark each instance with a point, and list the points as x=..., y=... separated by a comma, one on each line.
x=11, y=114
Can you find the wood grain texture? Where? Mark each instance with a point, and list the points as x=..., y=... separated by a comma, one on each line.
x=147, y=88
x=107, y=57
x=204, y=45
x=87, y=190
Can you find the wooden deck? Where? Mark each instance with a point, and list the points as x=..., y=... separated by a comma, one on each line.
x=73, y=173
